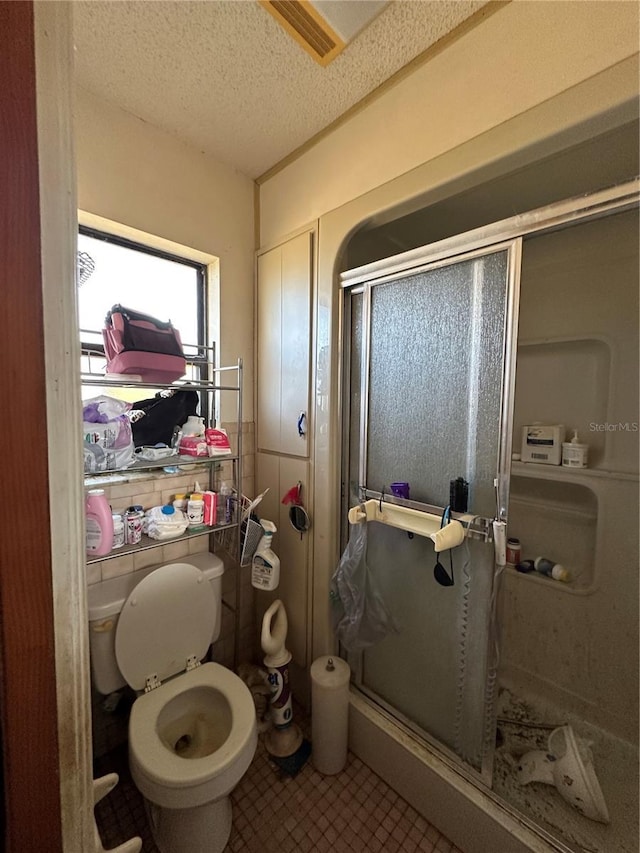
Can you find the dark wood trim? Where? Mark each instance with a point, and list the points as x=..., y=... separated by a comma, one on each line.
x=28, y=711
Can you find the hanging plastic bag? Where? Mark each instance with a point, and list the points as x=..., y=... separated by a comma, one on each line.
x=359, y=614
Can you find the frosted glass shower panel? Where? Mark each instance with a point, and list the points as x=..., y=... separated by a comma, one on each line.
x=436, y=351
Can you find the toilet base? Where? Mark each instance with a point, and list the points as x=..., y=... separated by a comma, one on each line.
x=203, y=829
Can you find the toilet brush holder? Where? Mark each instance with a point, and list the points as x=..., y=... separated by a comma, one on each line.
x=284, y=738
x=284, y=741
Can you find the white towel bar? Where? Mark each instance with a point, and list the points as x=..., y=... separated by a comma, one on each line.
x=411, y=520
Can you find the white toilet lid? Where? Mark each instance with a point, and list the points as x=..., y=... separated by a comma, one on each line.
x=167, y=618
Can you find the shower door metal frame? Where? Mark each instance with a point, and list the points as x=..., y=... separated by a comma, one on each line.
x=513, y=250
x=505, y=233
x=509, y=234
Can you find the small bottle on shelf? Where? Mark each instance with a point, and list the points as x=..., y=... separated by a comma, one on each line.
x=225, y=504
x=195, y=511
x=180, y=501
x=514, y=552
x=574, y=454
x=118, y=530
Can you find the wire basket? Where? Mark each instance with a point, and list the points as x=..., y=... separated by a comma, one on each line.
x=250, y=534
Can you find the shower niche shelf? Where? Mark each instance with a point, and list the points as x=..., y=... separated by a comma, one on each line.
x=558, y=520
x=564, y=381
x=588, y=477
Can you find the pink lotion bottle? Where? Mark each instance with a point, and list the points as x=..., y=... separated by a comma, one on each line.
x=98, y=524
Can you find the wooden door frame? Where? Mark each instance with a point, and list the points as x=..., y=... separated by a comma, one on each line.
x=44, y=692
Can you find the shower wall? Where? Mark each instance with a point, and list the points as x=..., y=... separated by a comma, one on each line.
x=576, y=644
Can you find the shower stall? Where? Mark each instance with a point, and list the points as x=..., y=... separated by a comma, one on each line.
x=448, y=350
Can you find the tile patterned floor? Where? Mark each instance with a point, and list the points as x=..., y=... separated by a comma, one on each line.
x=352, y=811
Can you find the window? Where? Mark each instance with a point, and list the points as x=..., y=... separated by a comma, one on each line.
x=140, y=278
x=112, y=270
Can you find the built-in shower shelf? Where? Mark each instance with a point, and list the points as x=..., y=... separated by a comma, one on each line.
x=578, y=585
x=567, y=475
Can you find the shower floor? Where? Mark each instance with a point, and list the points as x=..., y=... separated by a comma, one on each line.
x=616, y=766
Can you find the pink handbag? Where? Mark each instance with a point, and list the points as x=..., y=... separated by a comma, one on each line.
x=139, y=344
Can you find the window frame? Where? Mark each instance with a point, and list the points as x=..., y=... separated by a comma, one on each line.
x=206, y=353
x=201, y=273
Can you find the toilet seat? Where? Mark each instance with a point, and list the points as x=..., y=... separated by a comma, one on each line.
x=165, y=625
x=169, y=779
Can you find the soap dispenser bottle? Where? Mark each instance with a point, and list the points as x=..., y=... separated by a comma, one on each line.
x=574, y=454
x=265, y=567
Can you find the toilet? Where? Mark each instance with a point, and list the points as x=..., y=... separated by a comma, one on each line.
x=192, y=729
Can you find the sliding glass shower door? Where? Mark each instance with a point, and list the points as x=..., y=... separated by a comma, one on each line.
x=428, y=382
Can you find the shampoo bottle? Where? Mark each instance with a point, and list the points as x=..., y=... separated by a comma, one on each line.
x=98, y=524
x=265, y=567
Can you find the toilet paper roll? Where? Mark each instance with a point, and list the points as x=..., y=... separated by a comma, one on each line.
x=329, y=714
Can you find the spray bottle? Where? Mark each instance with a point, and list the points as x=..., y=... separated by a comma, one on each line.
x=265, y=567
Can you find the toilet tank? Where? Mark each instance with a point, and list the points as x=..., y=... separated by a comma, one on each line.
x=105, y=601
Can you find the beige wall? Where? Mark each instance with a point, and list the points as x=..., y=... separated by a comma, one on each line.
x=135, y=174
x=518, y=58
x=578, y=364
x=529, y=81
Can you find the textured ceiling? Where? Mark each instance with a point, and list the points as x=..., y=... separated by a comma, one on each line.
x=225, y=77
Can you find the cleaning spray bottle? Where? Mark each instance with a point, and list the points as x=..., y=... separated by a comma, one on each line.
x=265, y=567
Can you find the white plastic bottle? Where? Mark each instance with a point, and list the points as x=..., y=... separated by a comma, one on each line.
x=574, y=454
x=265, y=567
x=194, y=425
x=98, y=524
x=118, y=530
x=195, y=511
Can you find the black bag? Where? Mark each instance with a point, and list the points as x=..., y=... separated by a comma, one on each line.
x=154, y=420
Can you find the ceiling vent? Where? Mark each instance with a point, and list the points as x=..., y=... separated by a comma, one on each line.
x=323, y=27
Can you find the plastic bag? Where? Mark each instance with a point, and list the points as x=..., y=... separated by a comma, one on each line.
x=359, y=614
x=107, y=435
